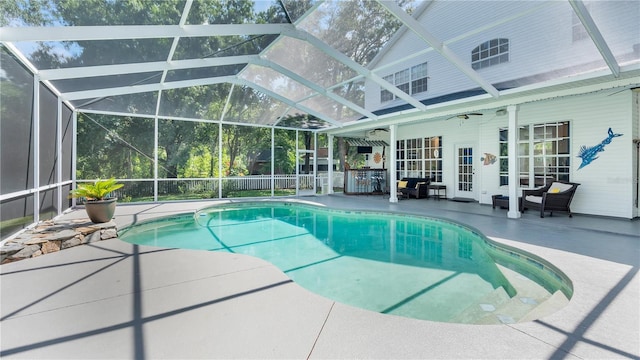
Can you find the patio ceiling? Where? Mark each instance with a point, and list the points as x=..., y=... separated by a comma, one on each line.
x=264, y=63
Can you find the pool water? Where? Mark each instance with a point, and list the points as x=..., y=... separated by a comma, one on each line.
x=395, y=264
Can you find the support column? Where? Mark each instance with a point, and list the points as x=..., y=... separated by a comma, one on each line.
x=156, y=137
x=36, y=148
x=514, y=170
x=273, y=162
x=59, y=157
x=297, y=164
x=393, y=189
x=74, y=155
x=330, y=162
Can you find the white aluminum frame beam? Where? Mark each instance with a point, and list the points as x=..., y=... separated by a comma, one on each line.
x=415, y=26
x=84, y=33
x=107, y=70
x=596, y=36
x=135, y=89
x=313, y=86
x=286, y=101
x=345, y=60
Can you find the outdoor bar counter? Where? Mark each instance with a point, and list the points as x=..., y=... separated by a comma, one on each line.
x=365, y=181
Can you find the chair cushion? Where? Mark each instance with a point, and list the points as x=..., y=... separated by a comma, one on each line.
x=418, y=184
x=402, y=184
x=534, y=199
x=557, y=187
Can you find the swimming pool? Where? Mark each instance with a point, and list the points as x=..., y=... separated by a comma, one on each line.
x=397, y=264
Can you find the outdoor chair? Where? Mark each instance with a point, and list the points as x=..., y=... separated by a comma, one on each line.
x=414, y=187
x=556, y=196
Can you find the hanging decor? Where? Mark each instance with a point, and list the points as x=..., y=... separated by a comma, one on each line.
x=488, y=159
x=588, y=154
x=377, y=158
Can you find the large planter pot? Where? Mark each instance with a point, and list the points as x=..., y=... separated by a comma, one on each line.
x=101, y=211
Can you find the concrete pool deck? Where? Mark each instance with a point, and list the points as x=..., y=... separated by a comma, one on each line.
x=112, y=299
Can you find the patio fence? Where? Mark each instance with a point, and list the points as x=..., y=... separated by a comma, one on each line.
x=142, y=190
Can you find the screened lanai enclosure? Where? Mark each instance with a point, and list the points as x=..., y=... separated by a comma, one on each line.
x=201, y=99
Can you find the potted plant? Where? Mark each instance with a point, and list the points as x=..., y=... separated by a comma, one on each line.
x=99, y=206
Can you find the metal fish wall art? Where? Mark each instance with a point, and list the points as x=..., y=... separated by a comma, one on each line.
x=588, y=154
x=488, y=159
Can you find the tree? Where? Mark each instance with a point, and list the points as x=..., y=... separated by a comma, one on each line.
x=357, y=28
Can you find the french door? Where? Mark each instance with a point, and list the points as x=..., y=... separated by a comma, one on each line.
x=465, y=171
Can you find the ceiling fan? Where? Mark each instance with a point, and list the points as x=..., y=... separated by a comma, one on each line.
x=465, y=116
x=371, y=132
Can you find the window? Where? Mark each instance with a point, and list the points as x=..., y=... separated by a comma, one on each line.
x=386, y=95
x=419, y=158
x=578, y=30
x=402, y=80
x=433, y=157
x=414, y=157
x=419, y=78
x=489, y=53
x=543, y=154
x=412, y=81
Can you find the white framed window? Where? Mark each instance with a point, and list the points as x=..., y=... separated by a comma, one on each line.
x=402, y=80
x=420, y=157
x=412, y=81
x=489, y=53
x=543, y=154
x=419, y=78
x=386, y=95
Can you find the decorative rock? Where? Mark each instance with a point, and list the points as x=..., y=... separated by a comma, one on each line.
x=7, y=250
x=25, y=253
x=85, y=230
x=72, y=242
x=51, y=236
x=108, y=234
x=50, y=246
x=11, y=248
x=92, y=238
x=35, y=240
x=62, y=235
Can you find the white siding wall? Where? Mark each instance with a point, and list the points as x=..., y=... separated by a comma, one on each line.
x=532, y=38
x=607, y=181
x=453, y=131
x=607, y=184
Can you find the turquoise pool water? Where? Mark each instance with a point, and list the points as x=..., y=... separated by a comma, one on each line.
x=395, y=264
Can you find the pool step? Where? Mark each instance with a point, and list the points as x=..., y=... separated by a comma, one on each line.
x=557, y=301
x=483, y=311
x=531, y=302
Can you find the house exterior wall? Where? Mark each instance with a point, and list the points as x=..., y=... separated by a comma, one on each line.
x=609, y=184
x=540, y=30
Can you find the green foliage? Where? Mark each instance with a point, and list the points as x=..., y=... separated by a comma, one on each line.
x=115, y=146
x=123, y=147
x=98, y=190
x=227, y=188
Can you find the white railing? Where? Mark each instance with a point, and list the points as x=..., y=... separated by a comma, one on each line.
x=136, y=190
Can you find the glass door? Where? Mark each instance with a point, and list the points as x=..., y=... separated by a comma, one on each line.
x=464, y=172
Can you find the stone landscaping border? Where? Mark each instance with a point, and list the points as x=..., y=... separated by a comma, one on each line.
x=55, y=235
